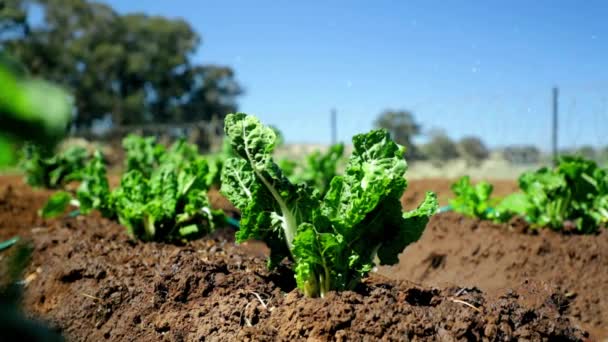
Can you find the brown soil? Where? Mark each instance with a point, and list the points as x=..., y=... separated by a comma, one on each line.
x=417, y=188
x=91, y=282
x=19, y=206
x=470, y=252
x=95, y=284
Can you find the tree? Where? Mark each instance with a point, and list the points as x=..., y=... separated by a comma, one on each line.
x=132, y=68
x=213, y=93
x=440, y=148
x=526, y=154
x=587, y=151
x=12, y=18
x=402, y=127
x=472, y=149
x=602, y=155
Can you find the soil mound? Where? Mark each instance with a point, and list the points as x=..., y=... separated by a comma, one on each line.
x=92, y=283
x=493, y=257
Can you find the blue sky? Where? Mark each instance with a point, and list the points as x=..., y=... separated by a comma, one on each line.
x=482, y=68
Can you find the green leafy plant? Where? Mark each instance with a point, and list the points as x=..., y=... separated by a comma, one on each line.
x=163, y=197
x=93, y=193
x=574, y=191
x=216, y=163
x=30, y=110
x=56, y=204
x=599, y=214
x=145, y=154
x=53, y=171
x=142, y=153
x=476, y=201
x=471, y=200
x=333, y=240
x=318, y=169
x=172, y=204
x=181, y=152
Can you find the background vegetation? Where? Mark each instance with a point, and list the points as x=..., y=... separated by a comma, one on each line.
x=122, y=69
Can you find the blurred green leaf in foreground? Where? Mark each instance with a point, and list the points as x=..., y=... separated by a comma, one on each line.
x=30, y=110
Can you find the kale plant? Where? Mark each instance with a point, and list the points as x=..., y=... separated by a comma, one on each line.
x=162, y=201
x=318, y=168
x=53, y=171
x=476, y=201
x=573, y=192
x=333, y=240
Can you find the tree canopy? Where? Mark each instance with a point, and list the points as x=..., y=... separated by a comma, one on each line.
x=472, y=149
x=131, y=68
x=440, y=147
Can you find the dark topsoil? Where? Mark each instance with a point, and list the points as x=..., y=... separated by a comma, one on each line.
x=91, y=282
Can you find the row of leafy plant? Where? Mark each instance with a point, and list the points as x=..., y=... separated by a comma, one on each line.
x=572, y=194
x=334, y=228
x=145, y=155
x=162, y=193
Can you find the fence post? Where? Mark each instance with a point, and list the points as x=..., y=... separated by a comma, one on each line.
x=555, y=126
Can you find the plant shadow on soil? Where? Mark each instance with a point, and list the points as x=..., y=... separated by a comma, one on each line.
x=93, y=283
